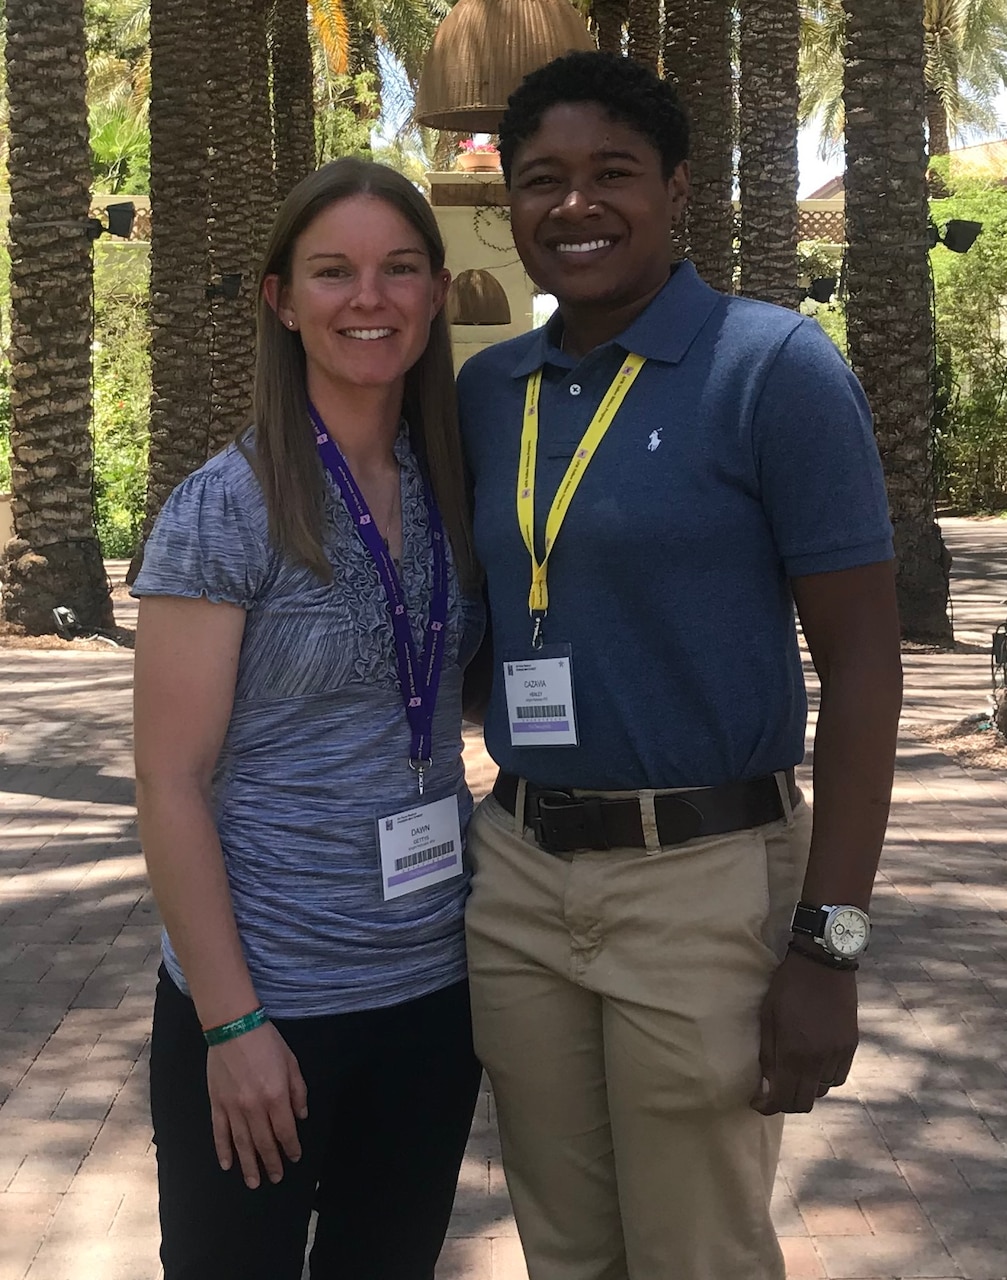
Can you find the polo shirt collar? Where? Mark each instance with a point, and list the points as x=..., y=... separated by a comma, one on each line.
x=664, y=330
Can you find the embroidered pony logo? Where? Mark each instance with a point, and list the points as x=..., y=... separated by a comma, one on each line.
x=655, y=440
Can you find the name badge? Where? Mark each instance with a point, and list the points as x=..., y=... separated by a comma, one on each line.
x=420, y=847
x=539, y=691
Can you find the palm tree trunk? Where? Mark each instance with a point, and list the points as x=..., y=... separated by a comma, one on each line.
x=179, y=249
x=293, y=93
x=697, y=55
x=937, y=125
x=889, y=314
x=645, y=32
x=242, y=201
x=608, y=17
x=770, y=41
x=363, y=59
x=54, y=558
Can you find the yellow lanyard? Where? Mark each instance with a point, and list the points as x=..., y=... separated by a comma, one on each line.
x=538, y=596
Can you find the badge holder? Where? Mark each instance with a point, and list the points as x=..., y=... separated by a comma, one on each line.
x=539, y=690
x=420, y=847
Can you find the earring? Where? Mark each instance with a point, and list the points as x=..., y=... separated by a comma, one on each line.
x=290, y=323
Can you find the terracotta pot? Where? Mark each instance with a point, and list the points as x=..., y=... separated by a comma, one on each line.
x=478, y=162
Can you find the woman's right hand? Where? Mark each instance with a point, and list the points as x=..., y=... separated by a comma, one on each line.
x=256, y=1091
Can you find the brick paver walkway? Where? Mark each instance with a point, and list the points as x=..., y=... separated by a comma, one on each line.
x=901, y=1174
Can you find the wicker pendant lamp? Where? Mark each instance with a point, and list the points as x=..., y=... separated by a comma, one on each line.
x=483, y=50
x=476, y=297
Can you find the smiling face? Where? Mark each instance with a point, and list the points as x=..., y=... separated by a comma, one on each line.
x=591, y=211
x=361, y=293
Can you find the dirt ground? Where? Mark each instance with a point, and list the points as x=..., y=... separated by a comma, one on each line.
x=13, y=637
x=974, y=742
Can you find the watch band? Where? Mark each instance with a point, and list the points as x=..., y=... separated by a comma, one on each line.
x=820, y=956
x=810, y=920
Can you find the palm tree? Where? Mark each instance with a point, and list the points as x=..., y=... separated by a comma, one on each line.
x=767, y=168
x=179, y=252
x=293, y=93
x=54, y=558
x=645, y=32
x=242, y=201
x=890, y=330
x=697, y=56
x=965, y=46
x=608, y=18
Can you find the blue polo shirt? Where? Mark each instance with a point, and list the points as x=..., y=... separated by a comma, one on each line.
x=742, y=456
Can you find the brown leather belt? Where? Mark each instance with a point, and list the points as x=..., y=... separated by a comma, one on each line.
x=564, y=822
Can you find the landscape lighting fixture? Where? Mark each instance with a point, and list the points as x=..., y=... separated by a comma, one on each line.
x=822, y=288
x=229, y=287
x=959, y=235
x=120, y=221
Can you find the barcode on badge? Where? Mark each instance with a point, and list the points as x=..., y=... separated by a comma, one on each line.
x=424, y=855
x=556, y=711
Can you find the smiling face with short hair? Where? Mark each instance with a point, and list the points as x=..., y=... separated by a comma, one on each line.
x=591, y=213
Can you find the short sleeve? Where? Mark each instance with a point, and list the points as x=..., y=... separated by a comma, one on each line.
x=821, y=480
x=210, y=539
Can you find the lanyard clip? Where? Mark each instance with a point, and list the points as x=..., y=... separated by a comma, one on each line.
x=419, y=767
x=538, y=618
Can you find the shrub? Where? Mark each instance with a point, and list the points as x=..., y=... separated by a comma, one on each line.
x=970, y=417
x=121, y=394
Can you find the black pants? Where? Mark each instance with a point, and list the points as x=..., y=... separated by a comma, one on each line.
x=391, y=1094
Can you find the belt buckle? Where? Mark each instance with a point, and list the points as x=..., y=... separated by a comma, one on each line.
x=587, y=833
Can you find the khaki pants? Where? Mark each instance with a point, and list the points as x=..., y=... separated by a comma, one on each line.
x=615, y=1001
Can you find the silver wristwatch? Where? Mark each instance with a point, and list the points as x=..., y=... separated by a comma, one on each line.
x=843, y=932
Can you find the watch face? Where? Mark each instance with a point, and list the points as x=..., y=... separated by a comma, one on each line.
x=847, y=931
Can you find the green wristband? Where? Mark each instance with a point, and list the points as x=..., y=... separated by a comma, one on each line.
x=231, y=1030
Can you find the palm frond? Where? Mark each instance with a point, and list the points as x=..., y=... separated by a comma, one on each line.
x=966, y=63
x=408, y=30
x=133, y=24
x=331, y=26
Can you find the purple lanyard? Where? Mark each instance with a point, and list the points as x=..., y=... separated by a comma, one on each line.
x=419, y=679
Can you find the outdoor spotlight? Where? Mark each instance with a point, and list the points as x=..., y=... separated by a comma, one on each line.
x=120, y=219
x=120, y=222
x=960, y=235
x=933, y=236
x=67, y=625
x=229, y=287
x=822, y=288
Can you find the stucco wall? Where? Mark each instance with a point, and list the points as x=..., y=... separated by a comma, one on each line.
x=6, y=521
x=477, y=237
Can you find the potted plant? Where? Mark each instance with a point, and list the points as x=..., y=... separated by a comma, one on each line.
x=477, y=157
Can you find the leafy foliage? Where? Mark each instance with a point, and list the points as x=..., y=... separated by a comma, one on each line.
x=351, y=110
x=121, y=394
x=966, y=64
x=120, y=151
x=971, y=405
x=118, y=94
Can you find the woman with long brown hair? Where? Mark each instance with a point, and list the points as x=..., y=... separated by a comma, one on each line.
x=307, y=608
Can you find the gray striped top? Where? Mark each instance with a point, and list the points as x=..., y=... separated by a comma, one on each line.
x=317, y=746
